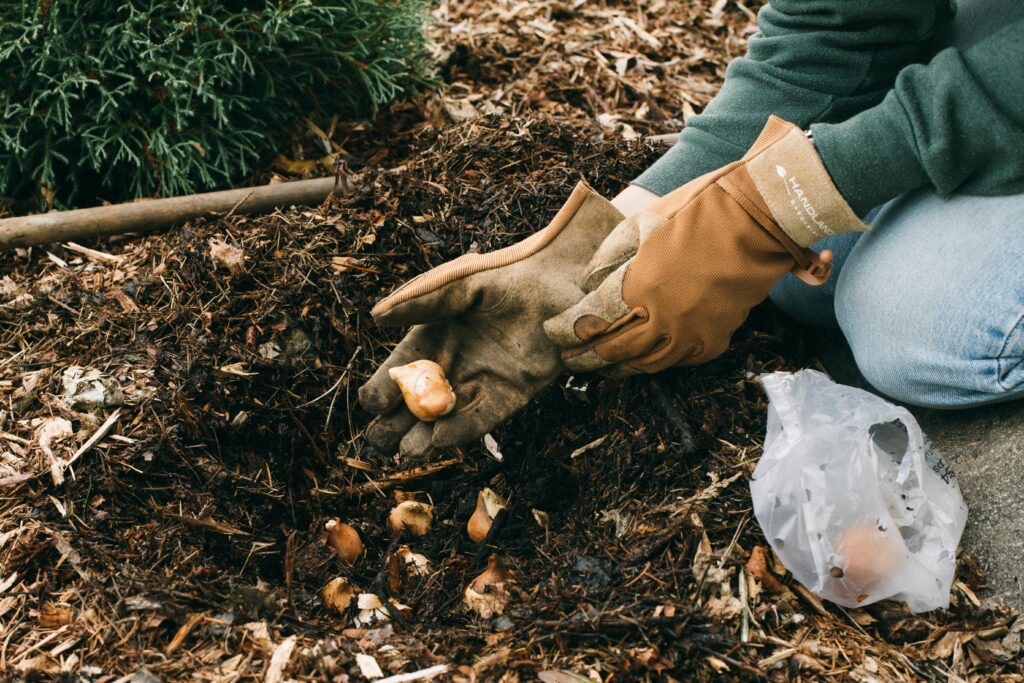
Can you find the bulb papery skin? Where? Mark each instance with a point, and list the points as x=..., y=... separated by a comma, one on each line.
x=427, y=393
x=411, y=515
x=339, y=594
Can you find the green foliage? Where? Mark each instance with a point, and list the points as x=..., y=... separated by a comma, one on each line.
x=130, y=98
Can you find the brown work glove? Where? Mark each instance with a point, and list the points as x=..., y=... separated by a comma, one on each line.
x=480, y=317
x=671, y=284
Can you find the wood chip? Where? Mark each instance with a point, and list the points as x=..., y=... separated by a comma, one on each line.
x=279, y=660
x=368, y=666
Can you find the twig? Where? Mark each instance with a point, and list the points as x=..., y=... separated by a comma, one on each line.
x=397, y=478
x=59, y=226
x=380, y=581
x=100, y=256
x=583, y=627
x=672, y=414
x=330, y=409
x=210, y=524
x=754, y=671
x=4, y=362
x=335, y=385
x=811, y=599
x=94, y=439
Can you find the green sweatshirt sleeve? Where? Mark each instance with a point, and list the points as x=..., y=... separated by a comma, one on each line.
x=956, y=124
x=813, y=60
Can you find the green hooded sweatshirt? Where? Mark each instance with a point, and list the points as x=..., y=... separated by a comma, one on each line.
x=887, y=112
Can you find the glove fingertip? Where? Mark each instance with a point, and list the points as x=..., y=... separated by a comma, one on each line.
x=381, y=312
x=416, y=445
x=560, y=329
x=386, y=431
x=376, y=399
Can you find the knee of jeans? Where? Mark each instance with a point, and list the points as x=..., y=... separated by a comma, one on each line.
x=899, y=376
x=916, y=357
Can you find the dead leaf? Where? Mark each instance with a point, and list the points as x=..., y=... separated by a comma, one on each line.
x=460, y=110
x=48, y=432
x=227, y=256
x=53, y=615
x=90, y=389
x=757, y=567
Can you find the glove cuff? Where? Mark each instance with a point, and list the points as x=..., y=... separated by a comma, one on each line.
x=794, y=183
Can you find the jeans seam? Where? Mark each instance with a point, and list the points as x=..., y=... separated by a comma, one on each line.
x=1001, y=368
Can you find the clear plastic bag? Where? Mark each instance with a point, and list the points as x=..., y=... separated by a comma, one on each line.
x=852, y=497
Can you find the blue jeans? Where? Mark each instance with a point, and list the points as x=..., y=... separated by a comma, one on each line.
x=931, y=301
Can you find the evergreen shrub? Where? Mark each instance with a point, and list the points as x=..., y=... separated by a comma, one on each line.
x=114, y=99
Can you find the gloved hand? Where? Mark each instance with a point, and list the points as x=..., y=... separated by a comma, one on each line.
x=672, y=284
x=480, y=317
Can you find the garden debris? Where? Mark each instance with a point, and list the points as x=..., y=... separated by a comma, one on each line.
x=48, y=432
x=492, y=448
x=90, y=389
x=421, y=675
x=372, y=610
x=279, y=660
x=758, y=567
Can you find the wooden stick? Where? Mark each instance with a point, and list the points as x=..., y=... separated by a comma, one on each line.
x=156, y=214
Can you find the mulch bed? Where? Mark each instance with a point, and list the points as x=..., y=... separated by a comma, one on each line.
x=185, y=543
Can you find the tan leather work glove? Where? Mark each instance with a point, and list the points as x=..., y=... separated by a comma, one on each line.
x=480, y=317
x=671, y=284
